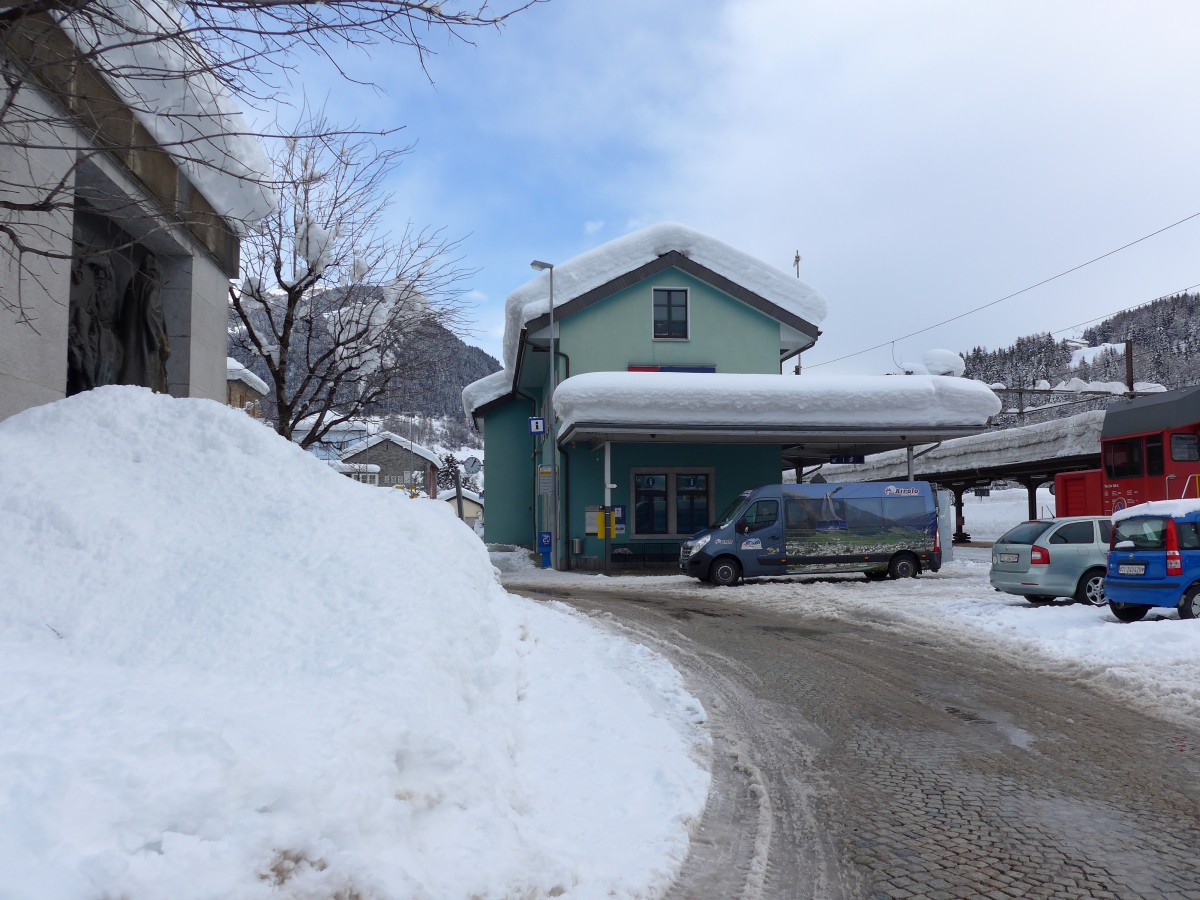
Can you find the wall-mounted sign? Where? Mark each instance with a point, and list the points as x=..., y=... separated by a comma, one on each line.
x=545, y=480
x=537, y=425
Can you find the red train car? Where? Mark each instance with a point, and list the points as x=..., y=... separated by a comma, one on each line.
x=1149, y=450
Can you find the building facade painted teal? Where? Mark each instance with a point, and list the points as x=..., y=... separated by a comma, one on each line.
x=662, y=310
x=618, y=332
x=509, y=474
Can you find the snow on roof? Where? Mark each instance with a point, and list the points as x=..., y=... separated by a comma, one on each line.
x=354, y=468
x=187, y=110
x=720, y=399
x=485, y=390
x=1169, y=508
x=235, y=371
x=467, y=495
x=598, y=266
x=1074, y=436
x=374, y=439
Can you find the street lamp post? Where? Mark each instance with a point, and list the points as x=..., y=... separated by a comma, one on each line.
x=549, y=267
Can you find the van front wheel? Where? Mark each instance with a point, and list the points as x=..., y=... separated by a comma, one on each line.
x=1189, y=606
x=725, y=572
x=903, y=565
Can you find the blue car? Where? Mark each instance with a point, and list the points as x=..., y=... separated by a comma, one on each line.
x=1154, y=560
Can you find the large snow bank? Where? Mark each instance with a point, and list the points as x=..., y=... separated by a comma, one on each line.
x=227, y=671
x=700, y=399
x=590, y=270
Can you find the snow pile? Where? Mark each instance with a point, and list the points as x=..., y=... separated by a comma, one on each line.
x=141, y=49
x=227, y=671
x=1107, y=387
x=1088, y=354
x=937, y=362
x=719, y=399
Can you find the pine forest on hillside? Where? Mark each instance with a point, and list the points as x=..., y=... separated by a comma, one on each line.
x=1165, y=336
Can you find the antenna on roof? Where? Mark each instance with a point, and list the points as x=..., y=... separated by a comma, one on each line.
x=796, y=263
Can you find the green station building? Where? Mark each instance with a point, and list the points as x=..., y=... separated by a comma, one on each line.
x=665, y=399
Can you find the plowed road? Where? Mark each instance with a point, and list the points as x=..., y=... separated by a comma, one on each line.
x=853, y=759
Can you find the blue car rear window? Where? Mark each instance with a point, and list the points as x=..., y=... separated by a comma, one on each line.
x=1146, y=534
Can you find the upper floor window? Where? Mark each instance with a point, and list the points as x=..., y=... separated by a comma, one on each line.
x=670, y=313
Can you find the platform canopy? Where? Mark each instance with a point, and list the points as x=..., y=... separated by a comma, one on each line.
x=814, y=418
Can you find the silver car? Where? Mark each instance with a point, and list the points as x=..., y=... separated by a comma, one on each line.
x=1048, y=558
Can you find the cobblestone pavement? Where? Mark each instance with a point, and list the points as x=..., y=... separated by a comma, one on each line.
x=879, y=761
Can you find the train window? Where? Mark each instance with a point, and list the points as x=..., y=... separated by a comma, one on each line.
x=1154, y=454
x=1185, y=448
x=1123, y=459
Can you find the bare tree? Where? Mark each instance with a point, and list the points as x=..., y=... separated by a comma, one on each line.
x=338, y=312
x=140, y=78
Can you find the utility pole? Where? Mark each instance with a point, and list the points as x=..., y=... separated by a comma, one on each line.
x=796, y=263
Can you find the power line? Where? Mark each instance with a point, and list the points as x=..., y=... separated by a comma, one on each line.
x=1127, y=309
x=1024, y=290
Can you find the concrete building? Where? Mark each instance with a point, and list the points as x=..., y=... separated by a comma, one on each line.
x=124, y=277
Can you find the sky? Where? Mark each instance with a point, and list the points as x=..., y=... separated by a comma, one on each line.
x=923, y=158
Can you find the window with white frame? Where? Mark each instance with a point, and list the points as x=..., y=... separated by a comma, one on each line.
x=671, y=502
x=670, y=313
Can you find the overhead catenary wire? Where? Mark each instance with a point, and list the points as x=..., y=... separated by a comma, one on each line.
x=1023, y=290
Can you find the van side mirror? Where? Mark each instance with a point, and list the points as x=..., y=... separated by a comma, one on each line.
x=741, y=527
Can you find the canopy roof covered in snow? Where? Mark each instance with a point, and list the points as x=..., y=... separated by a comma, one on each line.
x=816, y=416
x=1058, y=445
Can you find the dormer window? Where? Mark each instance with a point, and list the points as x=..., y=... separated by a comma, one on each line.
x=670, y=313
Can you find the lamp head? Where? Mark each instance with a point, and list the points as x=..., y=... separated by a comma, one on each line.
x=541, y=266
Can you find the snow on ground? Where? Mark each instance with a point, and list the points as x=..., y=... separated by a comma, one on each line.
x=1154, y=663
x=986, y=518
x=228, y=671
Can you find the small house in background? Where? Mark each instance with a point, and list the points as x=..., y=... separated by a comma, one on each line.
x=340, y=437
x=243, y=389
x=472, y=506
x=388, y=460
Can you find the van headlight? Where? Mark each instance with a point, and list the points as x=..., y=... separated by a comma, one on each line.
x=701, y=543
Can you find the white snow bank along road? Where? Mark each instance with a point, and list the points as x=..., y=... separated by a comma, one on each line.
x=228, y=671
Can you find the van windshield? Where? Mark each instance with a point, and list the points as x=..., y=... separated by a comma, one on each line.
x=732, y=511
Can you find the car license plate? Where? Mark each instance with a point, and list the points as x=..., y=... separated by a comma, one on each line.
x=1008, y=557
x=1130, y=569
